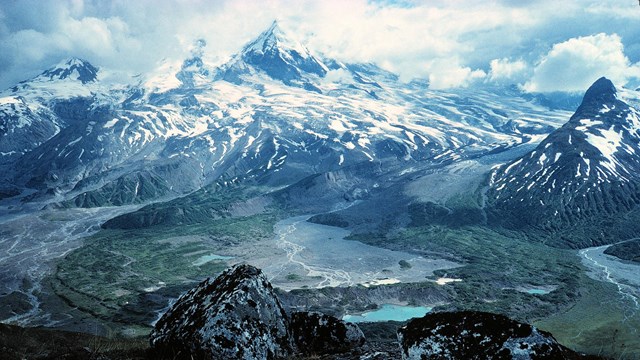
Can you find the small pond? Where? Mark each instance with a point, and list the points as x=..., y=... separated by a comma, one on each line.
x=389, y=312
x=538, y=291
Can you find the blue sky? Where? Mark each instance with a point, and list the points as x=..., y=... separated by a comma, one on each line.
x=541, y=45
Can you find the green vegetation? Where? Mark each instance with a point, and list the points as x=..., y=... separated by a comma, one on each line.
x=134, y=188
x=294, y=277
x=496, y=265
x=126, y=276
x=34, y=343
x=599, y=323
x=200, y=207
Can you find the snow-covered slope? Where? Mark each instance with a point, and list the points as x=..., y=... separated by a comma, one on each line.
x=274, y=114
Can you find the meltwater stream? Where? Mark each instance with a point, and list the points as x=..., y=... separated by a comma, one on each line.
x=624, y=275
x=318, y=256
x=29, y=245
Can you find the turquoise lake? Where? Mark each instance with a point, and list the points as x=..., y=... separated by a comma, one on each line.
x=538, y=291
x=388, y=312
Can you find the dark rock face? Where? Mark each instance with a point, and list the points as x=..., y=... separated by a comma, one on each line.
x=81, y=69
x=235, y=316
x=316, y=333
x=477, y=335
x=239, y=316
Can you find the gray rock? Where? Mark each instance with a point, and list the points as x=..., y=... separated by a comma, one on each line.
x=316, y=333
x=477, y=335
x=235, y=316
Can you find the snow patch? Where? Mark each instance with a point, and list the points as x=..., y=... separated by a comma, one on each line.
x=109, y=124
x=608, y=142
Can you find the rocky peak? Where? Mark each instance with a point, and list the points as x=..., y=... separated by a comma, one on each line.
x=602, y=91
x=238, y=316
x=275, y=40
x=277, y=54
x=568, y=176
x=477, y=335
x=316, y=333
x=74, y=69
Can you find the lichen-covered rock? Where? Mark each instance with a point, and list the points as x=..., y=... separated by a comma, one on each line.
x=316, y=333
x=235, y=316
x=477, y=335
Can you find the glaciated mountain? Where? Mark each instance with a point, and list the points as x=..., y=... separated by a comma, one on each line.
x=588, y=168
x=28, y=115
x=281, y=58
x=35, y=110
x=274, y=114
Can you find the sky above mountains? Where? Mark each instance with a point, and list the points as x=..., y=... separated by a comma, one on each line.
x=542, y=45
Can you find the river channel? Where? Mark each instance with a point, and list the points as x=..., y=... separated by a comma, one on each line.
x=317, y=256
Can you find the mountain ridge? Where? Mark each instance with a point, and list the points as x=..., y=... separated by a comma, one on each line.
x=221, y=130
x=584, y=169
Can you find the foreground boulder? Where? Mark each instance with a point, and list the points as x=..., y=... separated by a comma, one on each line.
x=316, y=333
x=477, y=335
x=235, y=316
x=238, y=316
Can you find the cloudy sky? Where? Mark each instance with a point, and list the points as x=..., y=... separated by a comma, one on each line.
x=542, y=45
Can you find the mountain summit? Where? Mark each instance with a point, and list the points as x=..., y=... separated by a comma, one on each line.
x=600, y=92
x=589, y=166
x=278, y=55
x=74, y=69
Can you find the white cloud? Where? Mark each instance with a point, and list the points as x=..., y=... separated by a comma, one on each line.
x=447, y=73
x=505, y=70
x=412, y=39
x=575, y=64
x=339, y=76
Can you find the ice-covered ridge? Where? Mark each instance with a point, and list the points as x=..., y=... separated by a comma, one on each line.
x=274, y=37
x=253, y=120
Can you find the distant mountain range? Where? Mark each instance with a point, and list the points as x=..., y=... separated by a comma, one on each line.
x=276, y=114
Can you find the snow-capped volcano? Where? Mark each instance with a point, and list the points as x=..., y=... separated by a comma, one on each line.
x=279, y=56
x=274, y=114
x=589, y=166
x=74, y=69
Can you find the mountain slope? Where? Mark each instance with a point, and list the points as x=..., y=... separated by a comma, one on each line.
x=280, y=57
x=273, y=115
x=589, y=168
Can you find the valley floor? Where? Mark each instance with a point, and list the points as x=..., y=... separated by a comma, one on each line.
x=117, y=282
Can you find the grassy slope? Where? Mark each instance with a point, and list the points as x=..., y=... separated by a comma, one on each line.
x=17, y=343
x=107, y=277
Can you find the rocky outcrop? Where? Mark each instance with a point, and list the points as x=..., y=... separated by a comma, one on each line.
x=235, y=316
x=316, y=333
x=238, y=316
x=477, y=335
